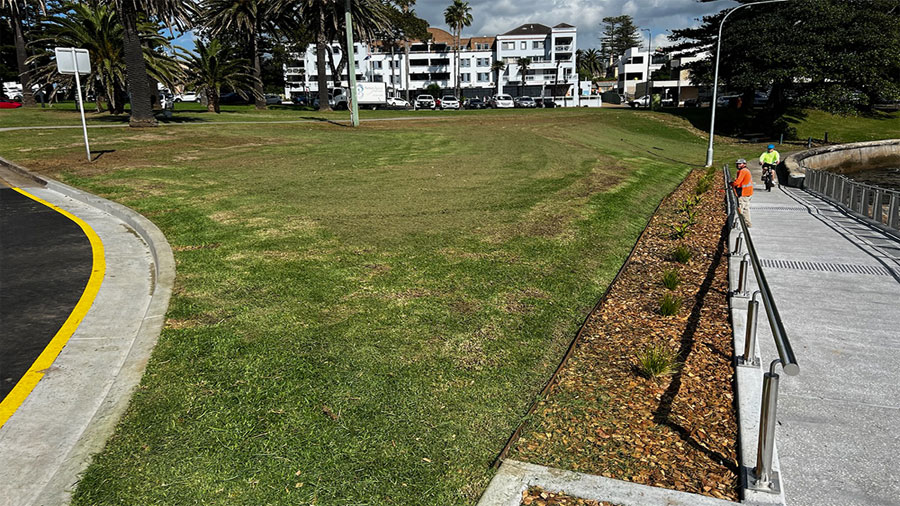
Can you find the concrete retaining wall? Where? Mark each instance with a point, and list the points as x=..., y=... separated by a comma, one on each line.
x=843, y=159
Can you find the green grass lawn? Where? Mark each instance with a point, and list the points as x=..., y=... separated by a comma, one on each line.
x=361, y=316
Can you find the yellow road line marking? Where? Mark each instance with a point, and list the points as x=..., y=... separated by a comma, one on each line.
x=34, y=374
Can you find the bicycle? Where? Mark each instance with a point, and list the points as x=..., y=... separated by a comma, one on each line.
x=768, y=175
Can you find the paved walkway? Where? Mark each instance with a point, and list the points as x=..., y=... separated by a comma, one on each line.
x=836, y=282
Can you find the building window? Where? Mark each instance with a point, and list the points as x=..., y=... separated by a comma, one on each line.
x=465, y=78
x=481, y=46
x=484, y=77
x=465, y=62
x=538, y=44
x=484, y=62
x=511, y=60
x=378, y=78
x=523, y=45
x=376, y=65
x=509, y=45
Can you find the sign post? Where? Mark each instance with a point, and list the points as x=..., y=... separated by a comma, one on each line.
x=70, y=60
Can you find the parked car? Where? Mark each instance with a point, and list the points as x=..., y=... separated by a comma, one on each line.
x=449, y=102
x=330, y=102
x=425, y=102
x=273, y=99
x=525, y=102
x=187, y=96
x=476, y=103
x=232, y=98
x=548, y=103
x=726, y=100
x=6, y=103
x=397, y=103
x=640, y=102
x=502, y=102
x=300, y=100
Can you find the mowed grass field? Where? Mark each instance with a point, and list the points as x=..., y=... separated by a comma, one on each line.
x=361, y=316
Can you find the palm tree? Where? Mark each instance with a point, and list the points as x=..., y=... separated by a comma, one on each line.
x=96, y=27
x=18, y=9
x=249, y=19
x=497, y=67
x=215, y=65
x=523, y=64
x=589, y=62
x=129, y=11
x=457, y=16
x=405, y=6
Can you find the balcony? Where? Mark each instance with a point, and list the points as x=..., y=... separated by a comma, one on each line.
x=563, y=49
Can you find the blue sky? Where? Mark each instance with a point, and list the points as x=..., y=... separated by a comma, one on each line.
x=491, y=17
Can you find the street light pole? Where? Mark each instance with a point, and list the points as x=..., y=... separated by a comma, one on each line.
x=712, y=120
x=351, y=68
x=647, y=83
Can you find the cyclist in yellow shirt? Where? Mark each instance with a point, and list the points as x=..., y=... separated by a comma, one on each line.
x=769, y=160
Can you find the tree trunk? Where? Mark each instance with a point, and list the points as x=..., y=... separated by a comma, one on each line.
x=406, y=60
x=21, y=56
x=135, y=70
x=259, y=99
x=320, y=70
x=456, y=64
x=212, y=103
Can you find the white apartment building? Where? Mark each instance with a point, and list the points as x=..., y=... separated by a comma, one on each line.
x=552, y=55
x=632, y=69
x=551, y=50
x=676, y=86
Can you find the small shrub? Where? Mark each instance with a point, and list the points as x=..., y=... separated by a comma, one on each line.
x=669, y=305
x=657, y=361
x=702, y=186
x=710, y=171
x=681, y=230
x=671, y=279
x=688, y=204
x=682, y=254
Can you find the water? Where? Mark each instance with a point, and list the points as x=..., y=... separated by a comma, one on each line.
x=885, y=178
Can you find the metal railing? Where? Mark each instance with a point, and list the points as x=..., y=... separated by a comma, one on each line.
x=872, y=202
x=763, y=478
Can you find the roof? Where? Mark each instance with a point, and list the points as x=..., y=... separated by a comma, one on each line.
x=530, y=29
x=563, y=25
x=439, y=36
x=470, y=42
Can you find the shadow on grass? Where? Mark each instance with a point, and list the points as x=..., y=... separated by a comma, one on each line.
x=662, y=412
x=100, y=153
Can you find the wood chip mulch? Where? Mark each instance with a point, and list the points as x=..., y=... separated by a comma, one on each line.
x=677, y=431
x=536, y=496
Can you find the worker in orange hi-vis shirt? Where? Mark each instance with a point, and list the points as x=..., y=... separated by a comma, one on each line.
x=743, y=186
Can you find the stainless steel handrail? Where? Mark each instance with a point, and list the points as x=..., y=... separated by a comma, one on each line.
x=871, y=202
x=763, y=477
x=782, y=344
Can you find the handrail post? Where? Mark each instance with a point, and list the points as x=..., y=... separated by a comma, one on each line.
x=737, y=244
x=742, y=278
x=764, y=477
x=878, y=205
x=749, y=358
x=893, y=211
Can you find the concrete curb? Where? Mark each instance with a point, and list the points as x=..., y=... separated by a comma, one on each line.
x=841, y=158
x=514, y=477
x=104, y=419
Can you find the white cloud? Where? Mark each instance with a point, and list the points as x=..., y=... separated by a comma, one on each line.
x=491, y=17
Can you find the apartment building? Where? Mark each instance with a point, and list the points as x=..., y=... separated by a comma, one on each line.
x=632, y=69
x=551, y=51
x=676, y=85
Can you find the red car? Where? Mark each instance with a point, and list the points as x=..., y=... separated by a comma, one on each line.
x=6, y=103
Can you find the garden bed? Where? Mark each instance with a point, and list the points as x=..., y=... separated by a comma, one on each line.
x=608, y=414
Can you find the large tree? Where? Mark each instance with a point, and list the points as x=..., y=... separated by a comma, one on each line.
x=457, y=16
x=589, y=63
x=215, y=65
x=523, y=64
x=836, y=55
x=94, y=26
x=249, y=20
x=171, y=12
x=18, y=12
x=619, y=34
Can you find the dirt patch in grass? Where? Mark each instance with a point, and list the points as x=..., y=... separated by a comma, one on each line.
x=678, y=430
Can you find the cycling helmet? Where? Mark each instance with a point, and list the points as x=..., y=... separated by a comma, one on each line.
x=770, y=146
x=741, y=161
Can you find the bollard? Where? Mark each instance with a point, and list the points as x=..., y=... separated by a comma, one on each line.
x=809, y=143
x=738, y=243
x=826, y=137
x=749, y=358
x=742, y=278
x=781, y=140
x=764, y=477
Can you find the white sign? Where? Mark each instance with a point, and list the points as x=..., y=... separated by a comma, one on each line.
x=68, y=59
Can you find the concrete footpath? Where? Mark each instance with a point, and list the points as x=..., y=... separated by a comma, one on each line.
x=836, y=282
x=72, y=410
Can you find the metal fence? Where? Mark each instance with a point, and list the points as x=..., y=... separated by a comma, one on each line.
x=763, y=478
x=872, y=202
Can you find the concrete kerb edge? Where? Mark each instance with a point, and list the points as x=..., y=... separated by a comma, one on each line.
x=514, y=477
x=108, y=415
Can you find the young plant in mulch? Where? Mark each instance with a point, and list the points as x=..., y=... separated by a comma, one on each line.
x=682, y=254
x=670, y=305
x=671, y=279
x=657, y=361
x=680, y=230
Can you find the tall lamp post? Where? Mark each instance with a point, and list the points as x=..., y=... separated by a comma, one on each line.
x=712, y=120
x=647, y=83
x=351, y=68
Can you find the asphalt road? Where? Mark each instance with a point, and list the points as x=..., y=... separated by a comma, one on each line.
x=45, y=263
